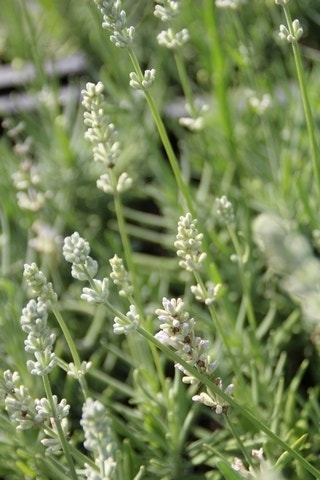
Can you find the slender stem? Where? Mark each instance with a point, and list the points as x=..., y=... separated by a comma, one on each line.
x=63, y=441
x=72, y=348
x=182, y=186
x=185, y=82
x=315, y=153
x=220, y=331
x=126, y=246
x=5, y=254
x=245, y=286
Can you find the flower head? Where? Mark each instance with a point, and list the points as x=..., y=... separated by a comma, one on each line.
x=38, y=283
x=104, y=139
x=189, y=244
x=115, y=20
x=173, y=40
x=98, y=438
x=177, y=330
x=76, y=251
x=291, y=35
x=40, y=339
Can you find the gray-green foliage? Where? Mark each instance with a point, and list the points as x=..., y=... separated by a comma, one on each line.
x=203, y=102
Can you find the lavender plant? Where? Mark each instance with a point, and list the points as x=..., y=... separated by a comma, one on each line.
x=184, y=345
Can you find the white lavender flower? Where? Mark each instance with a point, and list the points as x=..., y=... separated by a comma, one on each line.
x=124, y=325
x=177, y=330
x=38, y=283
x=224, y=210
x=11, y=381
x=265, y=470
x=124, y=182
x=98, y=294
x=143, y=83
x=295, y=35
x=115, y=20
x=102, y=134
x=189, y=244
x=52, y=442
x=27, y=178
x=20, y=407
x=76, y=251
x=195, y=120
x=46, y=239
x=120, y=276
x=98, y=440
x=173, y=40
x=40, y=339
x=57, y=410
x=167, y=11
x=78, y=373
x=18, y=402
x=206, y=294
x=214, y=401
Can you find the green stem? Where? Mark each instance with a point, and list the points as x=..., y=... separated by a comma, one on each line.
x=315, y=153
x=182, y=186
x=63, y=441
x=126, y=246
x=72, y=348
x=244, y=282
x=5, y=254
x=185, y=82
x=220, y=331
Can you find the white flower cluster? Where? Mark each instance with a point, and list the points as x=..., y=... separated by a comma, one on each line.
x=39, y=285
x=291, y=36
x=265, y=470
x=195, y=121
x=98, y=440
x=125, y=324
x=51, y=415
x=173, y=40
x=177, y=331
x=207, y=293
x=40, y=339
x=120, y=276
x=104, y=138
x=18, y=402
x=167, y=11
x=76, y=251
x=27, y=413
x=115, y=20
x=27, y=178
x=189, y=244
x=224, y=210
x=144, y=82
x=170, y=38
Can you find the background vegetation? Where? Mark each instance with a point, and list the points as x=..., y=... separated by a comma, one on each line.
x=257, y=154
